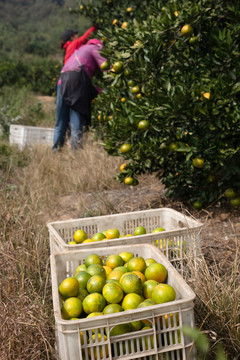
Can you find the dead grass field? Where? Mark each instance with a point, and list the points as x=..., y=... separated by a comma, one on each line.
x=38, y=186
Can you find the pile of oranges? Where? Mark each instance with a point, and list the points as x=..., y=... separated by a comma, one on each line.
x=81, y=237
x=119, y=282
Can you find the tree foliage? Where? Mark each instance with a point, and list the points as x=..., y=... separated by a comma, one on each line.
x=188, y=89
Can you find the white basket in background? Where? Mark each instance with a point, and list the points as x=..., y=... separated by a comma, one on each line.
x=30, y=135
x=163, y=341
x=181, y=238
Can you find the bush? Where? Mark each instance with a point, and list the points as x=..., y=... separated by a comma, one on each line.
x=185, y=85
x=38, y=75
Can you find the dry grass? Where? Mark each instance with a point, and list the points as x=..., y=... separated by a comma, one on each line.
x=27, y=323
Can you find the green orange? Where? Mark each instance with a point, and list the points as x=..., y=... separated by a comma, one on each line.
x=82, y=278
x=96, y=269
x=148, y=287
x=112, y=293
x=95, y=284
x=137, y=263
x=131, y=301
x=112, y=233
x=163, y=293
x=94, y=302
x=93, y=259
x=69, y=287
x=157, y=272
x=114, y=260
x=72, y=308
x=79, y=236
x=131, y=283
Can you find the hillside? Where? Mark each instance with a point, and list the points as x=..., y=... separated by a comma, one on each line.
x=34, y=27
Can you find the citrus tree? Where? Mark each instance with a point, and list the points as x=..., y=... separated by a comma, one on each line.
x=170, y=100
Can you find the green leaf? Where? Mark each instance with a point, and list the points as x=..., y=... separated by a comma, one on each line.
x=200, y=339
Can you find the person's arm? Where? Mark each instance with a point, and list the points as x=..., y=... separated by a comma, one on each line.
x=83, y=39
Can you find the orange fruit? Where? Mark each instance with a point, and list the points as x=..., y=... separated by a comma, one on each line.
x=187, y=31
x=112, y=308
x=135, y=89
x=72, y=308
x=120, y=329
x=235, y=202
x=127, y=72
x=137, y=263
x=69, y=287
x=93, y=259
x=95, y=284
x=87, y=241
x=129, y=9
x=193, y=40
x=96, y=269
x=112, y=293
x=131, y=82
x=139, y=274
x=129, y=180
x=148, y=343
x=98, y=237
x=99, y=351
x=122, y=167
x=118, y=67
x=79, y=236
x=104, y=65
x=158, y=229
x=139, y=230
x=147, y=302
x=107, y=269
x=157, y=272
x=123, y=99
x=82, y=293
x=115, y=274
x=176, y=13
x=197, y=205
x=114, y=22
x=82, y=278
x=198, y=163
x=149, y=261
x=125, y=148
x=163, y=293
x=207, y=95
x=112, y=234
x=136, y=325
x=72, y=243
x=114, y=260
x=81, y=267
x=94, y=302
x=124, y=25
x=131, y=301
x=131, y=283
x=143, y=125
x=126, y=256
x=148, y=287
x=173, y=146
x=230, y=193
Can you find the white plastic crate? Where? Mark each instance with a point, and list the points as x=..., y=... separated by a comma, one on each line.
x=164, y=340
x=182, y=235
x=30, y=135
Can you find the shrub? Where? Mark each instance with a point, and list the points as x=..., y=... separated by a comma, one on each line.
x=187, y=88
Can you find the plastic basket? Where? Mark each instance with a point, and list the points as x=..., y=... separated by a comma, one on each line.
x=30, y=135
x=181, y=238
x=164, y=340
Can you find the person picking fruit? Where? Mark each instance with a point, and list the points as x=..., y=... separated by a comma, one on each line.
x=75, y=92
x=71, y=41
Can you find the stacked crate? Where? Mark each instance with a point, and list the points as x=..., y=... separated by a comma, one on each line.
x=165, y=339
